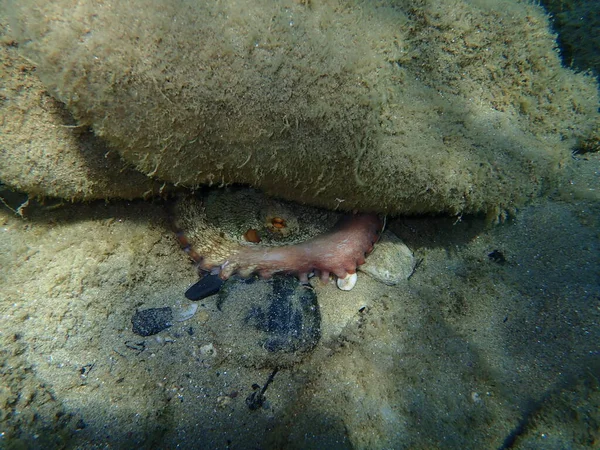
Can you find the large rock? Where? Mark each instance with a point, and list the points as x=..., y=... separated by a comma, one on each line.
x=44, y=152
x=406, y=108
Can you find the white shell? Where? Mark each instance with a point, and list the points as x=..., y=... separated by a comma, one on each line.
x=185, y=313
x=347, y=283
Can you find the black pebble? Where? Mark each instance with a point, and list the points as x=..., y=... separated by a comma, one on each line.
x=151, y=321
x=208, y=285
x=497, y=256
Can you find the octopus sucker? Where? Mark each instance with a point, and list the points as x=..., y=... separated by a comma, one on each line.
x=337, y=252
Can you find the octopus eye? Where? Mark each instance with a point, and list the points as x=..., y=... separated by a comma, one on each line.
x=278, y=222
x=278, y=226
x=252, y=236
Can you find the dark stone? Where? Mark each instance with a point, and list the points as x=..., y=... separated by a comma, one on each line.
x=148, y=322
x=207, y=285
x=268, y=322
x=497, y=256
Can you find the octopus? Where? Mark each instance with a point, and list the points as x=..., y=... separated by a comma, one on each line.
x=338, y=252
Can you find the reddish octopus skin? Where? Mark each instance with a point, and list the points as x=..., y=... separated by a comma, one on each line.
x=338, y=252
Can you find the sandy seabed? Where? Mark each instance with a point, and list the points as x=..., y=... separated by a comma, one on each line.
x=492, y=343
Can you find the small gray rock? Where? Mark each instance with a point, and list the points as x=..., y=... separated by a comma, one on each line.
x=391, y=261
x=148, y=322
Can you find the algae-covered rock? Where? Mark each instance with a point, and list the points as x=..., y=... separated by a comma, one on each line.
x=45, y=152
x=400, y=107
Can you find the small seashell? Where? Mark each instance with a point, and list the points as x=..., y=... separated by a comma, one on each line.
x=348, y=282
x=185, y=313
x=208, y=350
